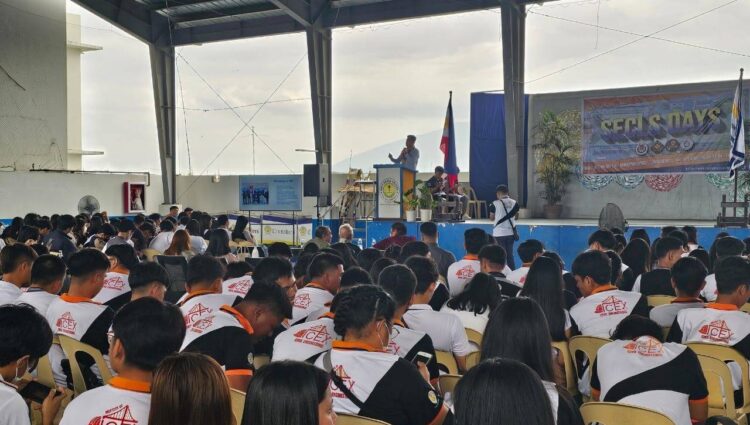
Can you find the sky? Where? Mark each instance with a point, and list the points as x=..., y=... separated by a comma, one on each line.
x=389, y=80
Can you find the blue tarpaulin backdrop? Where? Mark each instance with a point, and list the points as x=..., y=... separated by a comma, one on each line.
x=488, y=161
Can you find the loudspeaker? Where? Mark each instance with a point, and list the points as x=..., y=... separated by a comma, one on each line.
x=316, y=180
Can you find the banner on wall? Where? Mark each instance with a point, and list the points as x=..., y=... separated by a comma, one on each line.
x=657, y=133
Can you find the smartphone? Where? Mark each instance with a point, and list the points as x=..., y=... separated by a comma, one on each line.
x=37, y=392
x=422, y=357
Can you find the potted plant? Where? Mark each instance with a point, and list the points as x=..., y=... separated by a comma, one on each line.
x=557, y=151
x=410, y=203
x=425, y=201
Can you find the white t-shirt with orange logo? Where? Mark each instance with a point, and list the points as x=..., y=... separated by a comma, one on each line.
x=309, y=299
x=237, y=286
x=122, y=401
x=600, y=313
x=115, y=291
x=305, y=341
x=518, y=275
x=461, y=272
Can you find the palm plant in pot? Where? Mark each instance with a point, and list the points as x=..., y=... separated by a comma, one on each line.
x=410, y=202
x=425, y=201
x=557, y=151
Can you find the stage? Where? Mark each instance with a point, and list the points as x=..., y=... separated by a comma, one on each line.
x=567, y=237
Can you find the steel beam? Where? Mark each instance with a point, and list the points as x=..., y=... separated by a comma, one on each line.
x=299, y=10
x=394, y=10
x=163, y=78
x=320, y=67
x=513, y=17
x=128, y=15
x=231, y=30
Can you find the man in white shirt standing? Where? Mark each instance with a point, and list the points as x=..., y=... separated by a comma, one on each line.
x=25, y=337
x=503, y=212
x=144, y=332
x=47, y=276
x=461, y=272
x=529, y=250
x=445, y=329
x=16, y=261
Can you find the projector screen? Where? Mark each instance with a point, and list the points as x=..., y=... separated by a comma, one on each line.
x=271, y=193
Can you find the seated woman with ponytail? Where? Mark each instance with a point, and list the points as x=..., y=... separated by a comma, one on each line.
x=367, y=381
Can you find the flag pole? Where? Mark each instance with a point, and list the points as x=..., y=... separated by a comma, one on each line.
x=737, y=175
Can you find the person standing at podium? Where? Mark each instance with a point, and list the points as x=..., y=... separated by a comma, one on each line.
x=409, y=156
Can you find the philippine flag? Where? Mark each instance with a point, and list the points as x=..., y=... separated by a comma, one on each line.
x=448, y=145
x=737, y=134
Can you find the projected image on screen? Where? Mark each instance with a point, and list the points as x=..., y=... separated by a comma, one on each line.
x=271, y=193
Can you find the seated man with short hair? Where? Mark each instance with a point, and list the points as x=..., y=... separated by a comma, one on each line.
x=47, y=275
x=148, y=280
x=461, y=272
x=398, y=237
x=658, y=281
x=204, y=285
x=325, y=272
x=492, y=260
x=728, y=246
x=144, y=332
x=688, y=278
x=529, y=250
x=16, y=263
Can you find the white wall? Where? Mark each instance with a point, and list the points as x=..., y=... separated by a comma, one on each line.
x=33, y=128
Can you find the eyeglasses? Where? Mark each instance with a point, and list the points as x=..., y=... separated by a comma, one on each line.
x=110, y=338
x=33, y=364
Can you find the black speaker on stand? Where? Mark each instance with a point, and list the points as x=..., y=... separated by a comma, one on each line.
x=317, y=183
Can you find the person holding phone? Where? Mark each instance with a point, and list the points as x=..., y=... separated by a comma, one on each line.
x=24, y=338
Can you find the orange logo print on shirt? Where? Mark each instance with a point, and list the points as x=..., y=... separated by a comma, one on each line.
x=119, y=415
x=611, y=306
x=716, y=331
x=393, y=348
x=115, y=283
x=66, y=324
x=346, y=379
x=195, y=314
x=316, y=335
x=240, y=287
x=648, y=348
x=302, y=301
x=465, y=272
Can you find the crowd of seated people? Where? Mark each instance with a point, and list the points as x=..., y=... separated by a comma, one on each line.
x=303, y=338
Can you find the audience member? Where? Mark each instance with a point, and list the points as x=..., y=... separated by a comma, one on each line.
x=529, y=250
x=197, y=243
x=144, y=332
x=305, y=341
x=322, y=239
x=658, y=281
x=16, y=262
x=725, y=247
x=218, y=246
x=379, y=265
x=28, y=235
x=518, y=331
x=392, y=252
x=76, y=315
x=702, y=255
x=355, y=276
x=398, y=237
x=443, y=258
x=190, y=389
x=47, y=275
x=603, y=305
x=229, y=333
x=637, y=256
x=276, y=271
x=475, y=303
x=492, y=259
x=346, y=236
x=280, y=249
x=688, y=277
x=241, y=231
x=544, y=284
x=445, y=329
x=125, y=230
x=367, y=381
x=502, y=391
x=148, y=280
x=346, y=254
x=325, y=272
x=414, y=248
x=503, y=213
x=180, y=245
x=116, y=290
x=637, y=368
x=59, y=239
x=161, y=241
x=367, y=257
x=25, y=337
x=289, y=393
x=461, y=272
x=640, y=234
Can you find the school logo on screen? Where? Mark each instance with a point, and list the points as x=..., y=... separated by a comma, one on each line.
x=389, y=188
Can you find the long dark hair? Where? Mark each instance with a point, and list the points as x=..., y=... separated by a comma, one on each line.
x=544, y=284
x=480, y=294
x=343, y=251
x=637, y=256
x=285, y=393
x=218, y=243
x=501, y=392
x=517, y=330
x=640, y=234
x=239, y=228
x=190, y=389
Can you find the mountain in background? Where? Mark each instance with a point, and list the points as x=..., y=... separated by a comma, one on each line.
x=429, y=152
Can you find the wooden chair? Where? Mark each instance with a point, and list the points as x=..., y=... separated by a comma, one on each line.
x=622, y=414
x=720, y=389
x=238, y=404
x=728, y=354
x=571, y=383
x=446, y=359
x=447, y=383
x=71, y=348
x=746, y=308
x=477, y=206
x=44, y=372
x=473, y=359
x=474, y=337
x=150, y=254
x=655, y=300
x=588, y=345
x=347, y=419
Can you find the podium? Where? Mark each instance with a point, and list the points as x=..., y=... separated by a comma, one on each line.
x=392, y=181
